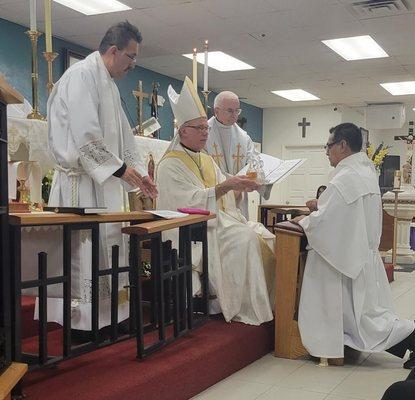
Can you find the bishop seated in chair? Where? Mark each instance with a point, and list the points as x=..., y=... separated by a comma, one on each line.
x=241, y=260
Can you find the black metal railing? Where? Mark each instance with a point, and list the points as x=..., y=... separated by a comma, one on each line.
x=171, y=300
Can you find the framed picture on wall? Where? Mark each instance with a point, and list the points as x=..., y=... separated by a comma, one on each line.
x=71, y=57
x=365, y=138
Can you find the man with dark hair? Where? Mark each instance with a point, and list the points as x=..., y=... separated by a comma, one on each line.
x=96, y=158
x=345, y=296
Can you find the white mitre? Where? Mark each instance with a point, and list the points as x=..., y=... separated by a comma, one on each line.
x=186, y=105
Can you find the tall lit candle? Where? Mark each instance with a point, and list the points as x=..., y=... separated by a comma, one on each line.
x=48, y=25
x=397, y=180
x=195, y=68
x=32, y=15
x=206, y=66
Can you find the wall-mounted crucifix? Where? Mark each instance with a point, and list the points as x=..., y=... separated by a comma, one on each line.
x=304, y=124
x=409, y=138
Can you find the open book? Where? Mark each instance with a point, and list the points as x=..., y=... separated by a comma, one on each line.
x=167, y=214
x=276, y=170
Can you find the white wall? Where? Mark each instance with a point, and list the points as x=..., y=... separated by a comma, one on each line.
x=281, y=129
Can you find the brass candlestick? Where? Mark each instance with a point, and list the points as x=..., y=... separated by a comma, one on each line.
x=205, y=100
x=35, y=114
x=50, y=57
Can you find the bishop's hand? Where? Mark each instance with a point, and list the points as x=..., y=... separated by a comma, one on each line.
x=134, y=179
x=242, y=183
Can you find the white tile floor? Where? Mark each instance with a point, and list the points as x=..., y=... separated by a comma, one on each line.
x=364, y=376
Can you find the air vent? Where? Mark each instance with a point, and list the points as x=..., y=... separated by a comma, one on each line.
x=366, y=9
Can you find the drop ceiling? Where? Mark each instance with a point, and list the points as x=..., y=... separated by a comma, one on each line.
x=281, y=38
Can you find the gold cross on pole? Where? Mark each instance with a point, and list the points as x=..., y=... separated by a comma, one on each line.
x=140, y=95
x=238, y=157
x=217, y=156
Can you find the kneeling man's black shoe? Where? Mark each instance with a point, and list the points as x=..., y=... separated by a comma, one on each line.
x=410, y=363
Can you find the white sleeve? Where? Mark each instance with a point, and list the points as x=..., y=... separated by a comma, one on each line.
x=83, y=114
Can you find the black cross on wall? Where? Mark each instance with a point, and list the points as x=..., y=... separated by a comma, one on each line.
x=304, y=124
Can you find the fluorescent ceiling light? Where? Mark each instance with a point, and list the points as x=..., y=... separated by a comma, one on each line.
x=356, y=47
x=93, y=7
x=399, y=88
x=295, y=95
x=221, y=61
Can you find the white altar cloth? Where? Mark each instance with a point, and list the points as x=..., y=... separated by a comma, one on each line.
x=49, y=240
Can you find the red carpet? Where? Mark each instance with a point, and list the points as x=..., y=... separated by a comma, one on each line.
x=179, y=371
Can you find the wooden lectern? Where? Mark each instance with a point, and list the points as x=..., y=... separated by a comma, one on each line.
x=290, y=257
x=10, y=373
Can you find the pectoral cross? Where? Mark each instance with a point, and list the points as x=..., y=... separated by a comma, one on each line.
x=304, y=124
x=238, y=157
x=140, y=95
x=217, y=156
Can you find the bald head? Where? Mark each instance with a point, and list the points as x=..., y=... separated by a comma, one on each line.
x=227, y=107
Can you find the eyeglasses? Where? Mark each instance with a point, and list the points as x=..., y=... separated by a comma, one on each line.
x=132, y=58
x=200, y=128
x=328, y=146
x=236, y=111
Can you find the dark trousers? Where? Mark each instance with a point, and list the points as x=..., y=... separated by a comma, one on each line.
x=399, y=349
x=403, y=390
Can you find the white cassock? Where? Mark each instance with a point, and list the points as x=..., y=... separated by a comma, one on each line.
x=240, y=252
x=232, y=148
x=345, y=297
x=90, y=138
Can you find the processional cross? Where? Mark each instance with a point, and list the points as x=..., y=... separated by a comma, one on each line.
x=140, y=95
x=217, y=156
x=238, y=157
x=304, y=124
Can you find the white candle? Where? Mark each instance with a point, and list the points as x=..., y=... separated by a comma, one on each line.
x=205, y=70
x=397, y=180
x=32, y=15
x=48, y=26
x=195, y=68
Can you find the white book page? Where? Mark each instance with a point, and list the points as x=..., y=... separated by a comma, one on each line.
x=168, y=214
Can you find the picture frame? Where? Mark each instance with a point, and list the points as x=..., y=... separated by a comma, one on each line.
x=71, y=57
x=365, y=138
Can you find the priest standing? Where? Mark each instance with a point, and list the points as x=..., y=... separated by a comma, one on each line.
x=241, y=260
x=229, y=145
x=96, y=157
x=345, y=297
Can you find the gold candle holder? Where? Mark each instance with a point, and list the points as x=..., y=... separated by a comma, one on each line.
x=205, y=100
x=35, y=114
x=50, y=57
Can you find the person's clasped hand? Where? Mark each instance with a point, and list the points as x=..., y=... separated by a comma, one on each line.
x=312, y=205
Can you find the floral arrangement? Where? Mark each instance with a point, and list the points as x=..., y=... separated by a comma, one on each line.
x=377, y=155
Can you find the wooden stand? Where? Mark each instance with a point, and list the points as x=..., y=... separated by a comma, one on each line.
x=290, y=262
x=9, y=379
x=291, y=255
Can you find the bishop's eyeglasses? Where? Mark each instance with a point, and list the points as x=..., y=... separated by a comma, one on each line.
x=200, y=128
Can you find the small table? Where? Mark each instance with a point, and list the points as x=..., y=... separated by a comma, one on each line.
x=171, y=277
x=281, y=211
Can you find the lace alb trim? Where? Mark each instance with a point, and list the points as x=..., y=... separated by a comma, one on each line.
x=94, y=154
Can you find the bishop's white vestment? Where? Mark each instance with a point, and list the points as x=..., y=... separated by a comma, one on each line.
x=345, y=296
x=232, y=148
x=241, y=262
x=90, y=138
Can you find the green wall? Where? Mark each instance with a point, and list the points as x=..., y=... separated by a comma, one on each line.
x=15, y=65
